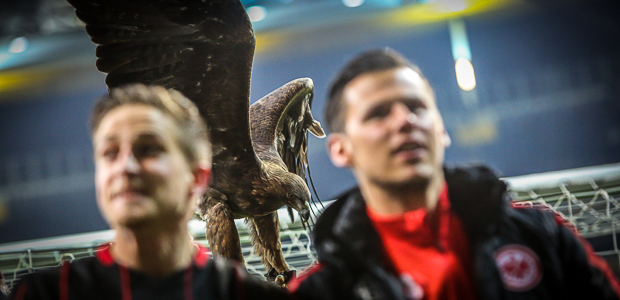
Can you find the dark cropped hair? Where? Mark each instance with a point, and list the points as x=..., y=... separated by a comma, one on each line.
x=193, y=135
x=366, y=62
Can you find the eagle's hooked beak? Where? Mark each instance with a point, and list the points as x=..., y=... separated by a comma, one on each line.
x=304, y=213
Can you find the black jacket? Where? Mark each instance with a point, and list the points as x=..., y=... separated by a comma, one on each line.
x=99, y=277
x=353, y=262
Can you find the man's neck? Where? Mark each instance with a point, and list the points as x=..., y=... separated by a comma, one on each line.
x=156, y=253
x=394, y=200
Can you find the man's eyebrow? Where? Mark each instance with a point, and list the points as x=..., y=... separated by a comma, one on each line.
x=411, y=99
x=100, y=144
x=106, y=139
x=390, y=102
x=405, y=99
x=149, y=135
x=146, y=136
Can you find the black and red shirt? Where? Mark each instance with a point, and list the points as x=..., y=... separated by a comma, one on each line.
x=428, y=250
x=100, y=277
x=516, y=254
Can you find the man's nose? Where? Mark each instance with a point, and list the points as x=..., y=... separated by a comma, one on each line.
x=405, y=119
x=129, y=163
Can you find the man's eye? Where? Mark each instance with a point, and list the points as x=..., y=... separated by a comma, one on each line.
x=419, y=110
x=148, y=150
x=416, y=107
x=109, y=154
x=379, y=113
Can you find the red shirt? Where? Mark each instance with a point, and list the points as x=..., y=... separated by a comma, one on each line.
x=430, y=251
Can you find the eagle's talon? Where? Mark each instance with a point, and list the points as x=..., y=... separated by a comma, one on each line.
x=271, y=275
x=280, y=279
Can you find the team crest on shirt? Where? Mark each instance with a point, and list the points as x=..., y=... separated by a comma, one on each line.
x=411, y=288
x=519, y=267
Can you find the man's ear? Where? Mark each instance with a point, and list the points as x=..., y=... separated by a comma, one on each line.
x=339, y=150
x=447, y=141
x=202, y=177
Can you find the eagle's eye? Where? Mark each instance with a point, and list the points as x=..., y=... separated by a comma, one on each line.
x=290, y=195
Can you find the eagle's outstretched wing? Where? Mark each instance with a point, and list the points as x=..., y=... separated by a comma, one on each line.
x=280, y=123
x=204, y=49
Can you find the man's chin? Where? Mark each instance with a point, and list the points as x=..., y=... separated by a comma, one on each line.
x=133, y=221
x=420, y=174
x=412, y=182
x=416, y=178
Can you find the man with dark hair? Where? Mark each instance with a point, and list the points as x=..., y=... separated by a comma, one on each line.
x=417, y=230
x=152, y=163
x=376, y=60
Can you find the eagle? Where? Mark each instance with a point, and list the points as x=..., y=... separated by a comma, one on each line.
x=205, y=49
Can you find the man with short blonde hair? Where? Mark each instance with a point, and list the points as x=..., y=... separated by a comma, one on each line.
x=152, y=164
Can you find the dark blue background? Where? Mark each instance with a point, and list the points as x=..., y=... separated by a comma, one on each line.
x=536, y=139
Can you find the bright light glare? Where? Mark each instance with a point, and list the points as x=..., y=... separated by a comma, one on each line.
x=465, y=74
x=257, y=13
x=352, y=3
x=18, y=45
x=461, y=50
x=454, y=5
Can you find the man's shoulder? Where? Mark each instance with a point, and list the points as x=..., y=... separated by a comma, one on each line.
x=52, y=274
x=229, y=279
x=320, y=282
x=478, y=197
x=539, y=218
x=348, y=207
x=46, y=282
x=352, y=194
x=41, y=276
x=474, y=185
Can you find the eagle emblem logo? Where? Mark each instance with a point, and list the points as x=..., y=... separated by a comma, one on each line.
x=519, y=267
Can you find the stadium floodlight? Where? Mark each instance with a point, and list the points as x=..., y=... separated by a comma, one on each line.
x=465, y=76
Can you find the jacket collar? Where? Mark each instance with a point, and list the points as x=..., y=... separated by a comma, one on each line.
x=476, y=194
x=478, y=197
x=353, y=228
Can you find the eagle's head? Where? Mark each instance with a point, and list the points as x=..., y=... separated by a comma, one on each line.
x=297, y=197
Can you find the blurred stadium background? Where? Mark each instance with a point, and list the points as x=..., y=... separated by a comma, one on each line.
x=546, y=98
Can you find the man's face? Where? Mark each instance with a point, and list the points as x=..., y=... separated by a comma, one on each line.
x=141, y=175
x=393, y=133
